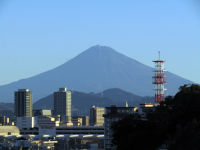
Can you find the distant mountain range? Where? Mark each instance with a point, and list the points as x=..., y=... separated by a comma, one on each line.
x=7, y=106
x=96, y=69
x=82, y=102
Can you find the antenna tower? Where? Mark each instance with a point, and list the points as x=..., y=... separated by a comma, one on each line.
x=159, y=80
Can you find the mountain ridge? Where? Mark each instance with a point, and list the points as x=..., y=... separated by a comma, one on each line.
x=96, y=69
x=82, y=102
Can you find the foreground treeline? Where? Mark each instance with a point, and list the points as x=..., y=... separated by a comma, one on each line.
x=175, y=124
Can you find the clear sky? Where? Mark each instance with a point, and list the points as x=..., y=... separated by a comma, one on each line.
x=38, y=35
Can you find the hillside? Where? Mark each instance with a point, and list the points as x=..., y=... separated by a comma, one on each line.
x=81, y=102
x=96, y=69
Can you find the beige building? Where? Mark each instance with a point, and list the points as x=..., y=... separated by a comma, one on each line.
x=9, y=130
x=96, y=116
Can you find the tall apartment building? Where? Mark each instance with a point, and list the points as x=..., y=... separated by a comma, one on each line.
x=23, y=103
x=96, y=116
x=62, y=104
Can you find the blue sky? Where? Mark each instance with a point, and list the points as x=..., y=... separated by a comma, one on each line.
x=38, y=35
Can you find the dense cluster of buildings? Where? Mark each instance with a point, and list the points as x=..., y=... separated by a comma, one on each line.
x=47, y=127
x=58, y=129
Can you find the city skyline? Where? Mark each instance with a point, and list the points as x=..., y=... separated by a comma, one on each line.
x=39, y=36
x=92, y=74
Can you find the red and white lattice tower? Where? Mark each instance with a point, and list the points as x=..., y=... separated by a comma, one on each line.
x=159, y=80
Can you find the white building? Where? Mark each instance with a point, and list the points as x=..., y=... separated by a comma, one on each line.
x=25, y=122
x=47, y=125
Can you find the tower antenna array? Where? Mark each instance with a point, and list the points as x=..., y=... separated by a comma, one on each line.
x=159, y=80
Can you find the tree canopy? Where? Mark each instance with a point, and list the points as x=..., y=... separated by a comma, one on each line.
x=175, y=122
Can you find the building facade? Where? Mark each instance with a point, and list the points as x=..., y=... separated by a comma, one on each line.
x=23, y=103
x=144, y=109
x=47, y=125
x=96, y=116
x=85, y=121
x=77, y=120
x=4, y=120
x=62, y=104
x=26, y=122
x=42, y=112
x=114, y=114
x=9, y=130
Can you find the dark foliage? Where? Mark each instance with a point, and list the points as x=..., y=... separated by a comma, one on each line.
x=175, y=122
x=137, y=134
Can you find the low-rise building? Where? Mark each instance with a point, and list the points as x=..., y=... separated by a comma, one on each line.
x=114, y=114
x=25, y=122
x=85, y=121
x=96, y=116
x=77, y=120
x=47, y=125
x=9, y=130
x=80, y=120
x=145, y=108
x=42, y=112
x=4, y=120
